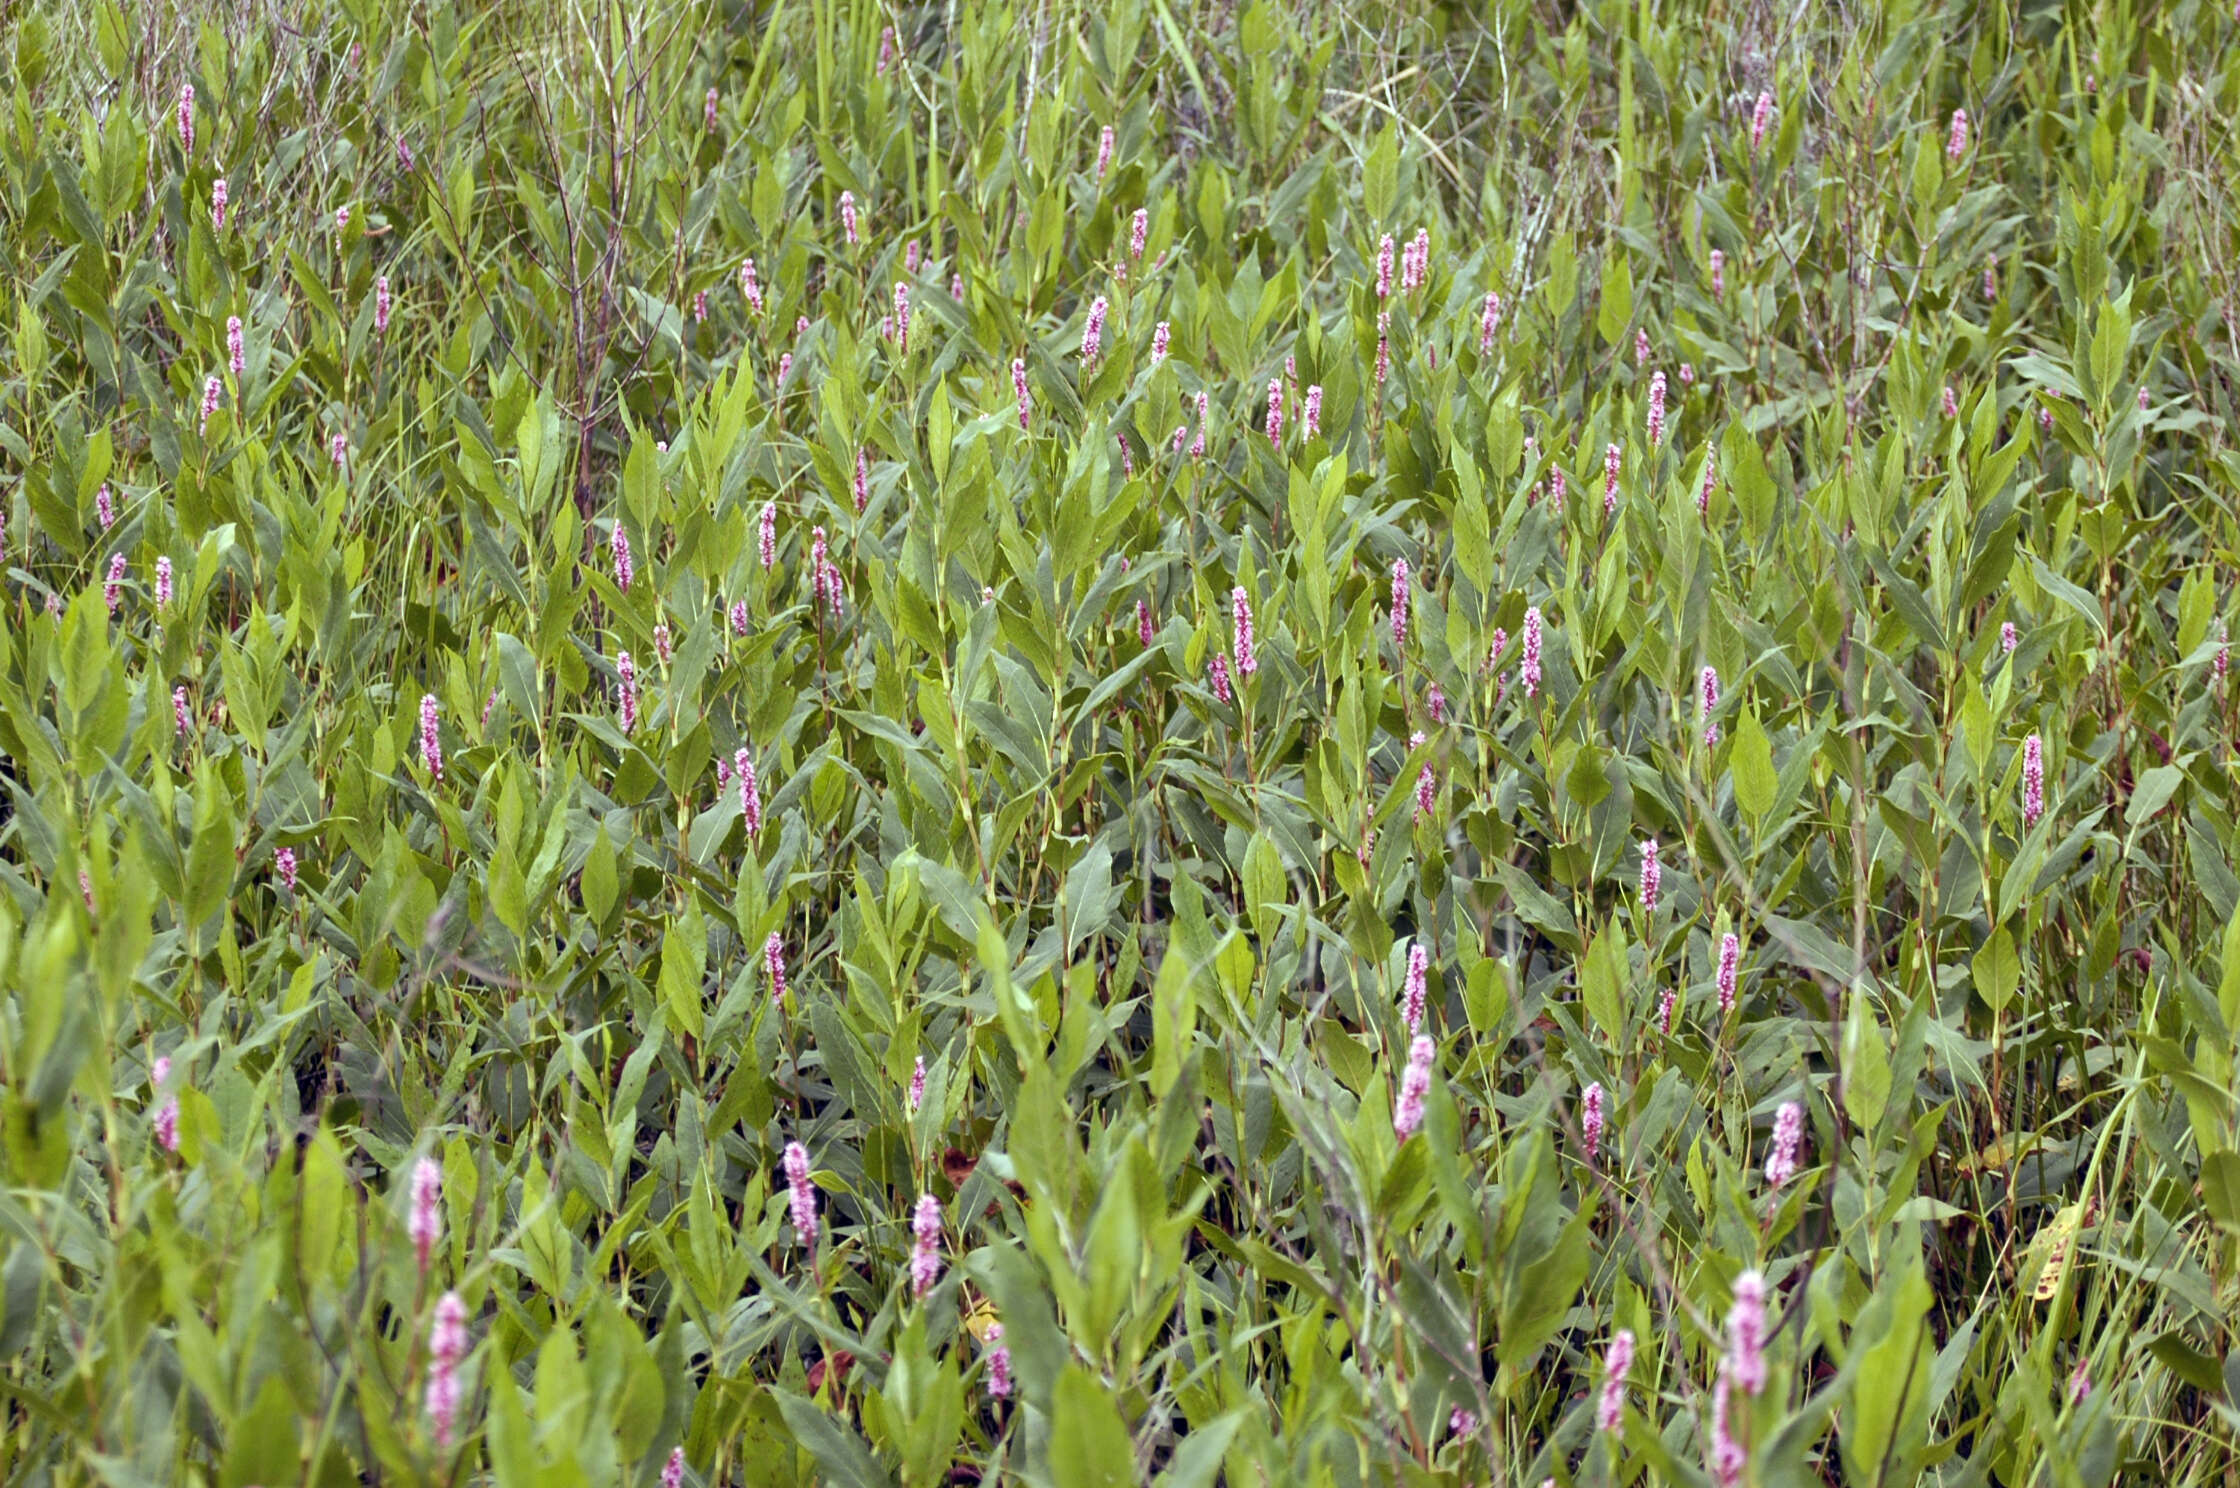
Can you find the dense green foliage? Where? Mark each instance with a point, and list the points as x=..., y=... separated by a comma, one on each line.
x=1139, y=894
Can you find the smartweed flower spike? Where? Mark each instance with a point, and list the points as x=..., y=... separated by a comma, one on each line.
x=1399, y=604
x=218, y=205
x=1528, y=670
x=114, y=582
x=672, y=1471
x=212, y=389
x=1435, y=702
x=186, y=120
x=901, y=316
x=749, y=287
x=1710, y=481
x=1138, y=230
x=700, y=307
x=848, y=216
x=2080, y=1383
x=1218, y=672
x=285, y=861
x=886, y=50
x=1956, y=143
x=1384, y=346
x=405, y=161
x=1656, y=410
x=1092, y=334
x=1730, y=957
x=338, y=448
x=102, y=509
x=2008, y=640
x=165, y=1121
x=1247, y=650
x=818, y=561
x=1728, y=1458
x=624, y=569
x=181, y=719
x=1652, y=877
x=1590, y=1121
x=1951, y=402
x=801, y=1197
x=2223, y=662
x=661, y=647
x=750, y=789
x=925, y=1252
x=956, y=287
x=1310, y=415
x=1610, y=1411
x=774, y=962
x=1760, y=117
x=1275, y=413
x=236, y=358
x=1718, y=275
x=1143, y=623
x=163, y=583
x=863, y=479
x=1415, y=1084
x=769, y=534
x=1710, y=683
x=999, y=1363
x=2033, y=782
x=626, y=692
x=1489, y=323
x=1104, y=151
x=1423, y=257
x=1788, y=1131
x=1640, y=348
x=1613, y=460
x=381, y=305
x=710, y=113
x=1557, y=487
x=917, y=1095
x=426, y=1224
x=1664, y=1013
x=1198, y=445
x=1991, y=276
x=431, y=746
x=1412, y=990
x=1687, y=374
x=447, y=1346
x=1462, y=1423
x=341, y=219
x=741, y=619
x=1158, y=343
x=2142, y=398
x=1746, y=1333
x=1019, y=386
x=785, y=367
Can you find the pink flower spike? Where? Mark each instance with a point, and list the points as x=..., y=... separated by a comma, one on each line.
x=1158, y=343
x=863, y=480
x=2080, y=1382
x=236, y=358
x=1138, y=230
x=431, y=746
x=774, y=963
x=1788, y=1131
x=1590, y=1121
x=1218, y=671
x=917, y=1096
x=708, y=113
x=749, y=287
x=1415, y=1084
x=1640, y=348
x=1760, y=117
x=1489, y=323
x=1746, y=1333
x=1019, y=386
x=2033, y=782
x=285, y=862
x=218, y=205
x=1528, y=671
x=901, y=316
x=1613, y=460
x=624, y=569
x=1143, y=623
x=626, y=691
x=999, y=1363
x=1718, y=275
x=1656, y=410
x=114, y=582
x=848, y=216
x=163, y=583
x=181, y=718
x=1384, y=268
x=1092, y=334
x=1198, y=445
x=2008, y=640
x=925, y=1252
x=1413, y=988
x=1616, y=1363
x=1710, y=693
x=1246, y=649
x=672, y=1471
x=801, y=1195
x=750, y=789
x=1399, y=604
x=1951, y=402
x=1664, y=1013
x=426, y=1225
x=1104, y=151
x=1652, y=877
x=1427, y=793
x=1275, y=413
x=1710, y=482
x=186, y=120
x=1730, y=959
x=381, y=305
x=1310, y=416
x=165, y=1121
x=1956, y=142
x=212, y=388
x=767, y=537
x=447, y=1346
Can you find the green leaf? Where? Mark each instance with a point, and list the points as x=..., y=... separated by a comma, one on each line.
x=1750, y=761
x=1092, y=1450
x=1998, y=970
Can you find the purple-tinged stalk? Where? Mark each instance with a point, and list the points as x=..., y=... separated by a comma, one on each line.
x=1730, y=961
x=774, y=966
x=1415, y=1084
x=405, y=160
